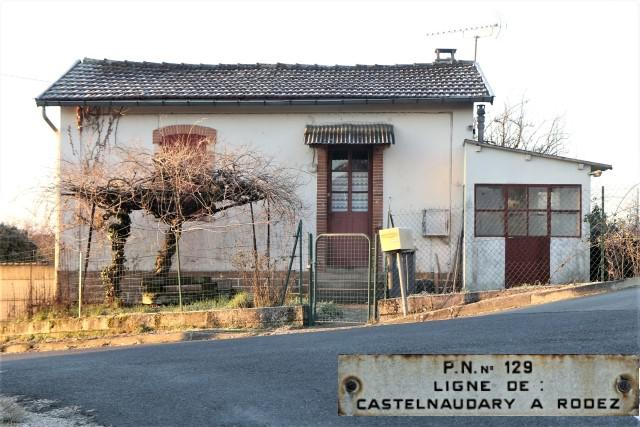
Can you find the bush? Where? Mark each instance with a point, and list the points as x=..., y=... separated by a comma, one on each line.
x=239, y=300
x=329, y=310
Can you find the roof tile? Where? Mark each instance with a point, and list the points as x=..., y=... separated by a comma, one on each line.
x=106, y=80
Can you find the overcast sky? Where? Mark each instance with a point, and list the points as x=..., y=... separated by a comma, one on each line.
x=577, y=59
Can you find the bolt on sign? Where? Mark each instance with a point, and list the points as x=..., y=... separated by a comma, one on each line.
x=520, y=385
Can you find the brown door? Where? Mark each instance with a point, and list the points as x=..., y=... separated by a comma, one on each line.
x=349, y=205
x=527, y=240
x=526, y=260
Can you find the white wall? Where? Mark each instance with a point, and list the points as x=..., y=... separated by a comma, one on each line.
x=424, y=169
x=484, y=267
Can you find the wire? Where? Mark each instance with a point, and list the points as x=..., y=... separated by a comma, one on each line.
x=15, y=76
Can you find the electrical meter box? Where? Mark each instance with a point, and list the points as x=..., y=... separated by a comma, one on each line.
x=396, y=239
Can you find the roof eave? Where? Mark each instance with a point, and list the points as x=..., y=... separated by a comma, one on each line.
x=593, y=165
x=259, y=102
x=486, y=83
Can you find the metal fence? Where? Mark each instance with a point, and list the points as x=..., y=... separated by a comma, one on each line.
x=529, y=236
x=342, y=278
x=516, y=235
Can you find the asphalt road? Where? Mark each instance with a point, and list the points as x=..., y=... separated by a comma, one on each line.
x=291, y=379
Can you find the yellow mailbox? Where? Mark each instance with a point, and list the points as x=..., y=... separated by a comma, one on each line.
x=396, y=239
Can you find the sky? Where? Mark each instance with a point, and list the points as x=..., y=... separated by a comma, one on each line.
x=579, y=60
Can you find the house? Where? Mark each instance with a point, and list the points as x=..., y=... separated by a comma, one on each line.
x=367, y=140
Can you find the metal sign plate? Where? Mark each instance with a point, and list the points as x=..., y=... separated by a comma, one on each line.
x=442, y=385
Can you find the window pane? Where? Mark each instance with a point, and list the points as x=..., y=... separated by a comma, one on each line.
x=537, y=223
x=565, y=198
x=489, y=224
x=339, y=161
x=517, y=223
x=339, y=181
x=517, y=198
x=359, y=202
x=360, y=181
x=338, y=202
x=360, y=161
x=489, y=197
x=537, y=198
x=565, y=224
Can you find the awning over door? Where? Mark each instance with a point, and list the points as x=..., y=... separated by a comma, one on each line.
x=367, y=134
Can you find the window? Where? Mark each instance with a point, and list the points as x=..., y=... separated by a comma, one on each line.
x=349, y=181
x=527, y=210
x=565, y=211
x=179, y=136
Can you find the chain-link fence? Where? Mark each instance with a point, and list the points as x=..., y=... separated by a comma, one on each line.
x=506, y=236
x=236, y=266
x=515, y=235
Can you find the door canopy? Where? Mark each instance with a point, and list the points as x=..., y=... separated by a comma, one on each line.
x=349, y=134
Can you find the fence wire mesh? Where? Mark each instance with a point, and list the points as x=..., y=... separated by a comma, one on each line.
x=506, y=236
x=342, y=278
x=519, y=235
x=210, y=268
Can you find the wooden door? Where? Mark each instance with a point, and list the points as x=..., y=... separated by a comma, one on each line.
x=349, y=205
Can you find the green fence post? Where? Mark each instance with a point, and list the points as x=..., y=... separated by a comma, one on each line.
x=312, y=279
x=179, y=272
x=300, y=271
x=375, y=278
x=602, y=231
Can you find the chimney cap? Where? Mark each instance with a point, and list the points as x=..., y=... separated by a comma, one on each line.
x=450, y=51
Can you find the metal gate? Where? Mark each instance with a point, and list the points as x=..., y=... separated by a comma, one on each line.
x=342, y=279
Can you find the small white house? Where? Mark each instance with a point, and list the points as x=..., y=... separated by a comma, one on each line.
x=366, y=140
x=525, y=217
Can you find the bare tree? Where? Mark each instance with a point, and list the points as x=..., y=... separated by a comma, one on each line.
x=181, y=182
x=513, y=128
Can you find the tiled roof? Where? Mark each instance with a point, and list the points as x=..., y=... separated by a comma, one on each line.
x=94, y=81
x=345, y=133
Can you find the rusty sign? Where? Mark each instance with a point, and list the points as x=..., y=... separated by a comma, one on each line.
x=442, y=385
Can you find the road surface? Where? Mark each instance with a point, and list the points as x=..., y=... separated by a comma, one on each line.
x=291, y=379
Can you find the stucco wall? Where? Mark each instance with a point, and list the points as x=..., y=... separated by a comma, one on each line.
x=424, y=169
x=484, y=266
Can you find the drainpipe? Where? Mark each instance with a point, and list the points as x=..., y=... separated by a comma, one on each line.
x=480, y=113
x=46, y=119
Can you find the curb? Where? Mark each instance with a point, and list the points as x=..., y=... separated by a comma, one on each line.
x=116, y=341
x=515, y=301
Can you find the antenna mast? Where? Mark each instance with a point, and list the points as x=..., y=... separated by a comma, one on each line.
x=474, y=30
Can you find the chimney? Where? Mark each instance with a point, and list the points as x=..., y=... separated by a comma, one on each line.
x=480, y=114
x=446, y=60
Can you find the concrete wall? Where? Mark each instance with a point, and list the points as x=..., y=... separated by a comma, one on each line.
x=484, y=257
x=24, y=287
x=423, y=170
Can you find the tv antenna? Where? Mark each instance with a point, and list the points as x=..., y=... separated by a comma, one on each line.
x=491, y=30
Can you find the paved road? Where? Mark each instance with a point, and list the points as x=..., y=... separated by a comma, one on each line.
x=291, y=379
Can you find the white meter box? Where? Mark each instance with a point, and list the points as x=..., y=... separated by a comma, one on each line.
x=396, y=239
x=501, y=384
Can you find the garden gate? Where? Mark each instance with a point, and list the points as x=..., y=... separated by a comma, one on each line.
x=342, y=279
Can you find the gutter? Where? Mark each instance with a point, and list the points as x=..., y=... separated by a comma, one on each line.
x=594, y=165
x=259, y=102
x=43, y=105
x=46, y=119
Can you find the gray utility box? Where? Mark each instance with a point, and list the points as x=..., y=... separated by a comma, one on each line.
x=408, y=259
